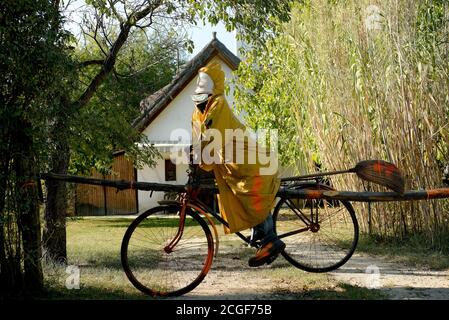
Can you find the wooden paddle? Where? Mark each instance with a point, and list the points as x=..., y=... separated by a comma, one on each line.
x=376, y=171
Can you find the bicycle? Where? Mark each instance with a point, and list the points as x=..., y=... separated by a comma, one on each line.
x=176, y=243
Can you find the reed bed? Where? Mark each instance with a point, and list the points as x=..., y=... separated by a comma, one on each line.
x=364, y=80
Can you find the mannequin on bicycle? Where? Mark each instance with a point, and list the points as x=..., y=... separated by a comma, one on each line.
x=246, y=196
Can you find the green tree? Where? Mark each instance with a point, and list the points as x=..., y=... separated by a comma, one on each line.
x=32, y=52
x=110, y=24
x=104, y=125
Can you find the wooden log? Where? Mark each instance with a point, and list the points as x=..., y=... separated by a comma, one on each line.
x=366, y=196
x=119, y=184
x=283, y=192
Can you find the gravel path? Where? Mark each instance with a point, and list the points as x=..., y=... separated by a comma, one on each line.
x=230, y=278
x=398, y=281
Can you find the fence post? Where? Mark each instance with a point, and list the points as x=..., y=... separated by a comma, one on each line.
x=105, y=200
x=369, y=218
x=368, y=188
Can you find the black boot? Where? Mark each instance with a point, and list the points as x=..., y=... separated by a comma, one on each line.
x=271, y=245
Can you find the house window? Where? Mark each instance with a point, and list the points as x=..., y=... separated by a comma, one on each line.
x=170, y=170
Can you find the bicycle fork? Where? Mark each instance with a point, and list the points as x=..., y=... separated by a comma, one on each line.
x=182, y=219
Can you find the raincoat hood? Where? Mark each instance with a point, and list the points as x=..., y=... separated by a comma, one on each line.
x=214, y=71
x=245, y=195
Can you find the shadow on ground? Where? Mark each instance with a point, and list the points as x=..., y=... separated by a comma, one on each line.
x=341, y=292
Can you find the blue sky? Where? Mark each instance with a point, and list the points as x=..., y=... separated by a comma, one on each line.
x=202, y=34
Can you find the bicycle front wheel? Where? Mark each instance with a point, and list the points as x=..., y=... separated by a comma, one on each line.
x=156, y=272
x=320, y=235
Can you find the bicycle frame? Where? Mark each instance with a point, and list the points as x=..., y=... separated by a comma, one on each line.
x=188, y=203
x=207, y=212
x=190, y=199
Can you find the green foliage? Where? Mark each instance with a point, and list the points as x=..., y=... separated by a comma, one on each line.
x=271, y=100
x=32, y=52
x=146, y=63
x=256, y=20
x=104, y=125
x=348, y=81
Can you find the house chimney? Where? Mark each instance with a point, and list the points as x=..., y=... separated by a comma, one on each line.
x=214, y=35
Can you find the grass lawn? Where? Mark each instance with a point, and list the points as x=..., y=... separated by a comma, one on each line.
x=93, y=245
x=412, y=252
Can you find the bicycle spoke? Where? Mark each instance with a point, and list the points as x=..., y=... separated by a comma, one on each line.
x=323, y=242
x=331, y=215
x=155, y=271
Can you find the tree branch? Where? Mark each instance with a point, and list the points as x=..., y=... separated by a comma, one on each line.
x=107, y=67
x=91, y=62
x=94, y=29
x=109, y=62
x=114, y=11
x=134, y=18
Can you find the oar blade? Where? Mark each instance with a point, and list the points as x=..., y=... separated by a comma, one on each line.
x=382, y=173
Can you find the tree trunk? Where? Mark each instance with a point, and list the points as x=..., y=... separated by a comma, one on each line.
x=31, y=238
x=4, y=274
x=56, y=208
x=3, y=268
x=28, y=214
x=10, y=276
x=55, y=236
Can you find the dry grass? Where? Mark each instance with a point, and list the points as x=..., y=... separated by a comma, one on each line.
x=358, y=93
x=94, y=246
x=411, y=253
x=382, y=94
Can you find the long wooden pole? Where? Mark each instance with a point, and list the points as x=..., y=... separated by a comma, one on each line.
x=119, y=184
x=316, y=175
x=283, y=192
x=366, y=196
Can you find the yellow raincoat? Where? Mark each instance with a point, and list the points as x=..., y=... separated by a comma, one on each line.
x=246, y=197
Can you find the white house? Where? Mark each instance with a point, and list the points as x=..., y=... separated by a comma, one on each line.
x=166, y=111
x=170, y=109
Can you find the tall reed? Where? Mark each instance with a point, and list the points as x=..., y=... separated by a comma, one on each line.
x=368, y=80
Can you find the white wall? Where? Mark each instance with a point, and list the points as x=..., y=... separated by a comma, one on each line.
x=157, y=174
x=176, y=115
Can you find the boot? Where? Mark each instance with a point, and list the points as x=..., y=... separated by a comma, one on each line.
x=271, y=245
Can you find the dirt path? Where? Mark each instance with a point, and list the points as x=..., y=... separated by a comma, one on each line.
x=231, y=278
x=396, y=280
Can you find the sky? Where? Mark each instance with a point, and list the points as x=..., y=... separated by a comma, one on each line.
x=201, y=36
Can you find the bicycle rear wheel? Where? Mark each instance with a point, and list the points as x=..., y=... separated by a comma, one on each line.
x=154, y=271
x=320, y=235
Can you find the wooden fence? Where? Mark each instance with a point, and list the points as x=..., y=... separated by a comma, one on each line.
x=93, y=200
